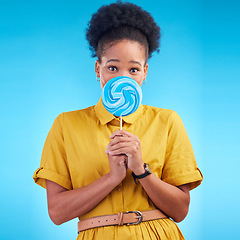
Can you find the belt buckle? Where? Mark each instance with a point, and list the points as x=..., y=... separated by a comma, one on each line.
x=139, y=215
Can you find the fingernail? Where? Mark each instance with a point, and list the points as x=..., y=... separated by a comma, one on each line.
x=106, y=151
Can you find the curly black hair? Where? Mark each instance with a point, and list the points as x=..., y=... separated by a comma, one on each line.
x=119, y=21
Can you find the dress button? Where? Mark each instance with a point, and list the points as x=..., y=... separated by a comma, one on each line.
x=119, y=188
x=116, y=122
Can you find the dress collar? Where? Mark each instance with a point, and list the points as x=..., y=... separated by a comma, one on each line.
x=104, y=116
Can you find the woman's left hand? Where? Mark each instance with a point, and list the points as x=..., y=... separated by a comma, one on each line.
x=126, y=143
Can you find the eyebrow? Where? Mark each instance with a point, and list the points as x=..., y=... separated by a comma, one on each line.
x=116, y=60
x=136, y=62
x=112, y=60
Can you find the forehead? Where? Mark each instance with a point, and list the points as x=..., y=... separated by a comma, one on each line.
x=124, y=49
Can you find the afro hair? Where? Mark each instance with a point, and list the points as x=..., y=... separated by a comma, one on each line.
x=115, y=21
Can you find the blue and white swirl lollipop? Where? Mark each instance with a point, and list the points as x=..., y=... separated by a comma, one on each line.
x=121, y=96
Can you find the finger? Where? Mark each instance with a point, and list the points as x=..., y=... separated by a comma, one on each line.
x=116, y=157
x=133, y=144
x=126, y=150
x=122, y=163
x=119, y=140
x=133, y=148
x=119, y=145
x=121, y=133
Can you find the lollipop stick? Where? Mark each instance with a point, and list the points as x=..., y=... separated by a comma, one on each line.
x=120, y=122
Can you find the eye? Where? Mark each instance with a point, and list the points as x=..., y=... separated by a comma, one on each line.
x=112, y=68
x=134, y=70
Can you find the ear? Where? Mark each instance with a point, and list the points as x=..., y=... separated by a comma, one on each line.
x=97, y=68
x=145, y=71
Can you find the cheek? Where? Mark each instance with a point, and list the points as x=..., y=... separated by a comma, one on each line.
x=105, y=76
x=140, y=82
x=139, y=79
x=101, y=84
x=104, y=80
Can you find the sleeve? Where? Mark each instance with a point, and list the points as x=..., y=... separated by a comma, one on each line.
x=53, y=164
x=180, y=166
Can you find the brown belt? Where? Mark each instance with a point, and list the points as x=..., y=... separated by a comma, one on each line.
x=128, y=218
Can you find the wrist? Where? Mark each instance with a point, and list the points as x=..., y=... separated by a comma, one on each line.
x=140, y=170
x=113, y=181
x=147, y=171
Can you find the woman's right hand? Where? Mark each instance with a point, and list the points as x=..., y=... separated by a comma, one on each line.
x=118, y=167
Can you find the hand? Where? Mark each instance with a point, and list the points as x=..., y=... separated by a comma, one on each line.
x=118, y=167
x=126, y=143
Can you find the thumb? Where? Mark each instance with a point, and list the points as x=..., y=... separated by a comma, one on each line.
x=122, y=163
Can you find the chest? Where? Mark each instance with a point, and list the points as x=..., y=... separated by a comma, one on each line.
x=85, y=149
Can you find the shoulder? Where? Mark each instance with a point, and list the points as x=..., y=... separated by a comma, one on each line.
x=71, y=121
x=76, y=117
x=165, y=118
x=166, y=114
x=76, y=114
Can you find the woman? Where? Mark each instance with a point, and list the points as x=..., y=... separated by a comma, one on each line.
x=98, y=173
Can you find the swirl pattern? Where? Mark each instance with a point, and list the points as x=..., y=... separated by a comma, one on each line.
x=121, y=96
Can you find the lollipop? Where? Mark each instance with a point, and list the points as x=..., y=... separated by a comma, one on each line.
x=121, y=96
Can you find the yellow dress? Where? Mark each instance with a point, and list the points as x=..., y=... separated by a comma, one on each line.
x=74, y=156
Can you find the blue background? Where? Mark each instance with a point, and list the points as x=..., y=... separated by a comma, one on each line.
x=46, y=69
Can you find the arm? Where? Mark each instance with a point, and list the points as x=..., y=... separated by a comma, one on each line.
x=173, y=201
x=64, y=205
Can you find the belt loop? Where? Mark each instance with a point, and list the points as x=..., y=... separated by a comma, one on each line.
x=120, y=218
